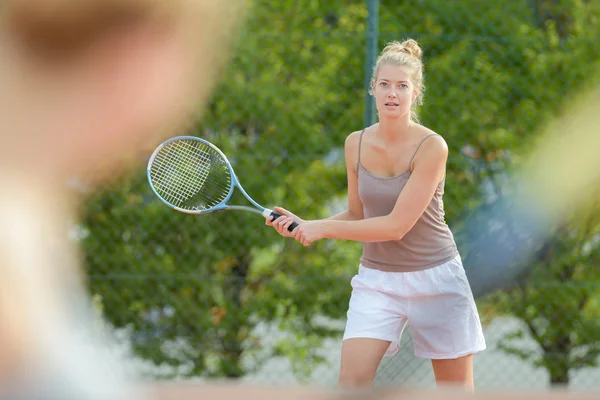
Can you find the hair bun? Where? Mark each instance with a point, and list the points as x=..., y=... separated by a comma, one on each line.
x=409, y=46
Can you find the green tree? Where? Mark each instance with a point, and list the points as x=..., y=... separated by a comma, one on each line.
x=559, y=301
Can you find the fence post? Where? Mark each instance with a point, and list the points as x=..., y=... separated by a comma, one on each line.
x=371, y=57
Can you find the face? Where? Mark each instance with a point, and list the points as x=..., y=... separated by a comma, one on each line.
x=394, y=92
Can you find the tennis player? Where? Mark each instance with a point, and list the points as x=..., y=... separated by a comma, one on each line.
x=410, y=270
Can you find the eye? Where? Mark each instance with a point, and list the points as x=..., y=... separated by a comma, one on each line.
x=383, y=84
x=404, y=86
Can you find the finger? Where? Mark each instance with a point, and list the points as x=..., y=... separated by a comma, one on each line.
x=269, y=221
x=283, y=226
x=287, y=224
x=282, y=211
x=288, y=221
x=275, y=221
x=281, y=222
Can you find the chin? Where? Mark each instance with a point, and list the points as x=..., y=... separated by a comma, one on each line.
x=392, y=114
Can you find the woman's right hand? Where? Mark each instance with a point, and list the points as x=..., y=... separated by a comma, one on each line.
x=282, y=223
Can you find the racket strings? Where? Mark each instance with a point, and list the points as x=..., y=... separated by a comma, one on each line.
x=177, y=193
x=219, y=173
x=191, y=175
x=184, y=185
x=192, y=183
x=177, y=187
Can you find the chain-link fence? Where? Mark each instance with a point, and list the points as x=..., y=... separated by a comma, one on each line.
x=224, y=296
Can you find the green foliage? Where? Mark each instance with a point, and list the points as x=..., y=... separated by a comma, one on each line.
x=210, y=280
x=559, y=301
x=291, y=94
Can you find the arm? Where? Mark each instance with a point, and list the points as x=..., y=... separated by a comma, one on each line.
x=428, y=171
x=355, y=207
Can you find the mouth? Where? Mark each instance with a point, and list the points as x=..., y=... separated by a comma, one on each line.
x=391, y=104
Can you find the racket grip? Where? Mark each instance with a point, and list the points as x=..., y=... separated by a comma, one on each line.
x=292, y=226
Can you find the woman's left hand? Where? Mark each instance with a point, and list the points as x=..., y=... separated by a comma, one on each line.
x=309, y=232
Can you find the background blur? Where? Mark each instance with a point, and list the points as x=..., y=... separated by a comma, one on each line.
x=223, y=296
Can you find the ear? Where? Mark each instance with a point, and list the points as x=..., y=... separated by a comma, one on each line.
x=415, y=93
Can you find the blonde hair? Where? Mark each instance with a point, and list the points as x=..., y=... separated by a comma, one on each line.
x=53, y=28
x=405, y=54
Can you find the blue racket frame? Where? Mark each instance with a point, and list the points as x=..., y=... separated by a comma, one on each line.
x=222, y=206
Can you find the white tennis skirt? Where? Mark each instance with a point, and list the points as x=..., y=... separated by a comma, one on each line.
x=436, y=303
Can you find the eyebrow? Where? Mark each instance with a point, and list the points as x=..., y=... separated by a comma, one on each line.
x=387, y=80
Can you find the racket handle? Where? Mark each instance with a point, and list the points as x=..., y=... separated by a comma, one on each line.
x=275, y=215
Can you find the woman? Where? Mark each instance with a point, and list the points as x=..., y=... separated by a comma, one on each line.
x=410, y=270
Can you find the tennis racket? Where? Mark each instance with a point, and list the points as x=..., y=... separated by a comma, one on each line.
x=193, y=176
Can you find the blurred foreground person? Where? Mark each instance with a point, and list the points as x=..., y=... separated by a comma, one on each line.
x=88, y=86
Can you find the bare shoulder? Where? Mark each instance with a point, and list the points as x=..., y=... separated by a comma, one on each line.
x=351, y=148
x=351, y=142
x=433, y=150
x=434, y=143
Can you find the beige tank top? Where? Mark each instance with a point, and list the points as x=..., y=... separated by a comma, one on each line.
x=428, y=244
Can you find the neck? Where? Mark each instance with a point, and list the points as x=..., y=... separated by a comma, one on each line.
x=394, y=130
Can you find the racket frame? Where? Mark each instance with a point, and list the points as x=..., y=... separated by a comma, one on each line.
x=222, y=206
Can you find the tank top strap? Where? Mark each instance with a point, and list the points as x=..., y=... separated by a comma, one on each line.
x=417, y=149
x=359, y=144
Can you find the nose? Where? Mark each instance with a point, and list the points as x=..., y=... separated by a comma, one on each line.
x=392, y=93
